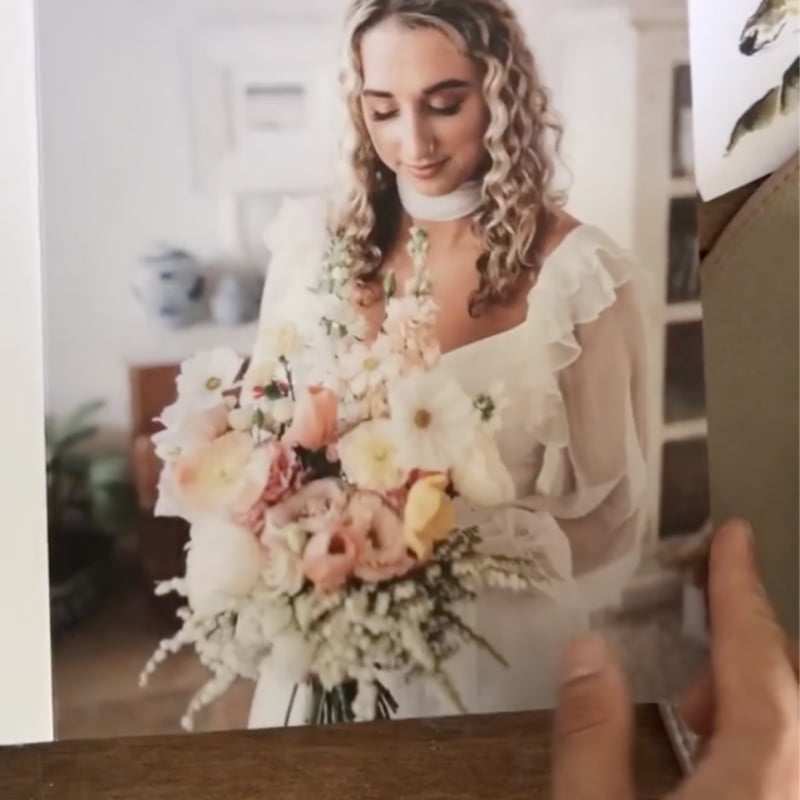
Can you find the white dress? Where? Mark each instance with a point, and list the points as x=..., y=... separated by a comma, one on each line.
x=572, y=439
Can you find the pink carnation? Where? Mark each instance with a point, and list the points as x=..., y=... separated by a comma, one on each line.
x=317, y=507
x=383, y=554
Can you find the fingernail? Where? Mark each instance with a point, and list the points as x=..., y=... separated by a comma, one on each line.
x=583, y=657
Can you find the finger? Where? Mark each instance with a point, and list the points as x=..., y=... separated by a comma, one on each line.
x=696, y=706
x=593, y=727
x=754, y=683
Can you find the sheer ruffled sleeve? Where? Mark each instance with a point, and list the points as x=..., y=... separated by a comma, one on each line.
x=295, y=238
x=587, y=314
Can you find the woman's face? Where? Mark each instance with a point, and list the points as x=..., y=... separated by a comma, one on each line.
x=423, y=106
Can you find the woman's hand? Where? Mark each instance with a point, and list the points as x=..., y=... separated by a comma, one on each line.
x=745, y=707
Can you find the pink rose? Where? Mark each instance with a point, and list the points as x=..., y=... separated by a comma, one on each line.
x=314, y=424
x=384, y=553
x=284, y=468
x=317, y=508
x=330, y=556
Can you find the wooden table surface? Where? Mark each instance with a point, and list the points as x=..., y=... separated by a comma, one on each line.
x=504, y=756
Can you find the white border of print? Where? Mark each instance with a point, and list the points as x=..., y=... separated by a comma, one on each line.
x=25, y=679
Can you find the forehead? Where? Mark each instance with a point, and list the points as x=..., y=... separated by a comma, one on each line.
x=398, y=58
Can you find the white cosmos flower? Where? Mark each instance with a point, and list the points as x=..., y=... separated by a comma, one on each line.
x=223, y=564
x=433, y=420
x=204, y=377
x=367, y=366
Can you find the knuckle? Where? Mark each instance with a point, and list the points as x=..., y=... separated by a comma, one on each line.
x=583, y=709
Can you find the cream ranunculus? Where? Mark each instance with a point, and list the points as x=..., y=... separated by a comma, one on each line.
x=482, y=477
x=223, y=563
x=369, y=457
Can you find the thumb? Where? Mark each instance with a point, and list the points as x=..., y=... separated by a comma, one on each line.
x=593, y=727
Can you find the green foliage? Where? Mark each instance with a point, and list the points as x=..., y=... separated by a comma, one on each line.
x=85, y=490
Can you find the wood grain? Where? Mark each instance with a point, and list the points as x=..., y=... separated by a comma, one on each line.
x=504, y=756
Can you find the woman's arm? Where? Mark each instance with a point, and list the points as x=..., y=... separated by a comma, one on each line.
x=595, y=486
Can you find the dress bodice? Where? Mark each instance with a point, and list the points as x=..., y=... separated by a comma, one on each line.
x=574, y=379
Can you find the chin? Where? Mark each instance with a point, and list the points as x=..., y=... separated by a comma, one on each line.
x=434, y=187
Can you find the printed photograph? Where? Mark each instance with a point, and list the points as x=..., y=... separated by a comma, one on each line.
x=747, y=83
x=373, y=357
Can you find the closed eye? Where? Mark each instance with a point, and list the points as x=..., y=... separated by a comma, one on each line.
x=446, y=111
x=380, y=116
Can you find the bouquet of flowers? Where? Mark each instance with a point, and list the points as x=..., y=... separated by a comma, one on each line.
x=321, y=487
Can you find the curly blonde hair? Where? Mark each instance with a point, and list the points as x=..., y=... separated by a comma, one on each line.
x=518, y=197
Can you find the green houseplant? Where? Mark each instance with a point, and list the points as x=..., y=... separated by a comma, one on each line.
x=90, y=500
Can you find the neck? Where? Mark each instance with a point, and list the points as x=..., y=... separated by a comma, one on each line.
x=440, y=234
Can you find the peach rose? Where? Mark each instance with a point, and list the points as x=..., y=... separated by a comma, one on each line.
x=226, y=475
x=384, y=554
x=314, y=424
x=330, y=557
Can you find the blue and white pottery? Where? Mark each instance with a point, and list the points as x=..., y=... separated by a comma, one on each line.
x=236, y=300
x=171, y=287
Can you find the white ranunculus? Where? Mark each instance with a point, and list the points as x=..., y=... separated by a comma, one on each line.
x=282, y=410
x=223, y=563
x=481, y=476
x=283, y=571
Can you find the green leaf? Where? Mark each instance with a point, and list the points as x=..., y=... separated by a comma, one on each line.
x=67, y=441
x=389, y=285
x=81, y=416
x=272, y=391
x=111, y=468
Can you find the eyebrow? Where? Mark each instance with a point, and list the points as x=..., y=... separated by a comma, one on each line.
x=452, y=83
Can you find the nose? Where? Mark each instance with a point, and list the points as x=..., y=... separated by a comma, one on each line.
x=415, y=145
x=748, y=44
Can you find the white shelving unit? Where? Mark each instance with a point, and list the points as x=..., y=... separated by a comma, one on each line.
x=623, y=177
x=665, y=233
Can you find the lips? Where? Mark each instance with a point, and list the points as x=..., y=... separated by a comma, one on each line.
x=428, y=170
